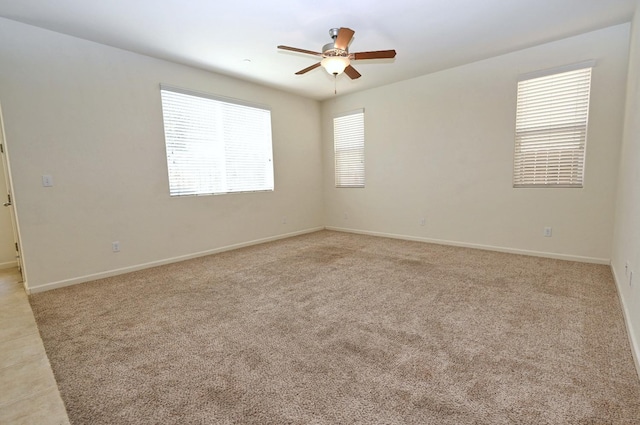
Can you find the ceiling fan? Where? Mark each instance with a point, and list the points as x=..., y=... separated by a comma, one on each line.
x=336, y=57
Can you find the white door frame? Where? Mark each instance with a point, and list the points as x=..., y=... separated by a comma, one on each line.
x=12, y=206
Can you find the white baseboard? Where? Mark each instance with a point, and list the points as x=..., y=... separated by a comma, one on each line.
x=129, y=269
x=8, y=265
x=478, y=246
x=635, y=344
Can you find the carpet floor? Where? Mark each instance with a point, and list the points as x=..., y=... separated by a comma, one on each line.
x=338, y=328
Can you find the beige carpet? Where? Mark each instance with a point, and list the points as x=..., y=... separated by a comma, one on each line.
x=335, y=328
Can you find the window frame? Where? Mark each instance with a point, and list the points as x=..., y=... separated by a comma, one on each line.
x=550, y=142
x=223, y=166
x=348, y=149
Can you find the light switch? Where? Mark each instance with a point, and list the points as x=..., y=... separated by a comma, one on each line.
x=47, y=181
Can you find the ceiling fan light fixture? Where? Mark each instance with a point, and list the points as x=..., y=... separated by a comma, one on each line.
x=335, y=65
x=336, y=58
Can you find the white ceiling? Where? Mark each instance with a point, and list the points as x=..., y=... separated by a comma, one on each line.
x=239, y=37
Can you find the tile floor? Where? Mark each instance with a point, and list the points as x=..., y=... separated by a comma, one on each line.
x=28, y=390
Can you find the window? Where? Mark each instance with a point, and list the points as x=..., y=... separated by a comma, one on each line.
x=215, y=145
x=348, y=143
x=551, y=128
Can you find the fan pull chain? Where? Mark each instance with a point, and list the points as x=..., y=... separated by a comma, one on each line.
x=335, y=84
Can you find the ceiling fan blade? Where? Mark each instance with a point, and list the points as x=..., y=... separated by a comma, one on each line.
x=378, y=54
x=351, y=72
x=295, y=49
x=343, y=38
x=307, y=69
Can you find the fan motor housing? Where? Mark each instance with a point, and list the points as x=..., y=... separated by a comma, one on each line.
x=328, y=50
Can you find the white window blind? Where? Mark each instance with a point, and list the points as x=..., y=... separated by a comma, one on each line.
x=348, y=139
x=215, y=146
x=551, y=129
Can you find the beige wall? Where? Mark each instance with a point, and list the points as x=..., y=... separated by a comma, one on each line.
x=626, y=240
x=7, y=252
x=90, y=116
x=440, y=147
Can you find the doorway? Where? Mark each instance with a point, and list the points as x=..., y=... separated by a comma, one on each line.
x=9, y=200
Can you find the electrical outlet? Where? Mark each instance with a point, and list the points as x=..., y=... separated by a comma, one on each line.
x=423, y=221
x=115, y=246
x=47, y=181
x=547, y=232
